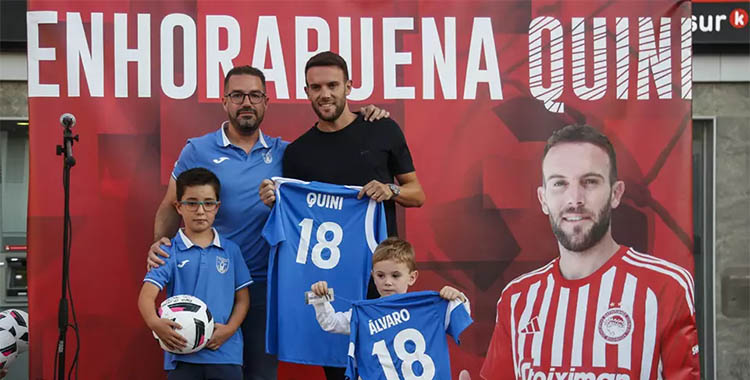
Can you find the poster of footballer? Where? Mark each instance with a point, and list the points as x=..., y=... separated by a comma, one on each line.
x=476, y=89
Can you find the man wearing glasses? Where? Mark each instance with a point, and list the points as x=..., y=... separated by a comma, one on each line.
x=241, y=155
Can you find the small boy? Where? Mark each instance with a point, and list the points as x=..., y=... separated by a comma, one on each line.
x=394, y=270
x=206, y=266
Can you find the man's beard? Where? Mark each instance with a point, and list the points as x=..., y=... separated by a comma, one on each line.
x=590, y=238
x=246, y=126
x=336, y=113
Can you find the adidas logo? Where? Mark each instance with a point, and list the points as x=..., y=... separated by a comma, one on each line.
x=532, y=327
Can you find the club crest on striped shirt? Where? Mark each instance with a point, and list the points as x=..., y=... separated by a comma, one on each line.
x=222, y=264
x=615, y=325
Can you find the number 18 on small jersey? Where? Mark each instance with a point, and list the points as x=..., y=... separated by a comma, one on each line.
x=402, y=337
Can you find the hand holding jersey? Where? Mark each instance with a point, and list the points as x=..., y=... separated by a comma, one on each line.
x=403, y=336
x=379, y=191
x=394, y=270
x=267, y=192
x=374, y=189
x=339, y=322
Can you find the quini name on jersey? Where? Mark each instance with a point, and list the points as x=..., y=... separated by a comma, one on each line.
x=334, y=202
x=387, y=321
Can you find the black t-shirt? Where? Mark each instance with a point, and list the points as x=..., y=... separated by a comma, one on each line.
x=354, y=155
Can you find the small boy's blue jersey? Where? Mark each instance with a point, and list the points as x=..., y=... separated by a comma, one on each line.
x=403, y=336
x=317, y=231
x=213, y=274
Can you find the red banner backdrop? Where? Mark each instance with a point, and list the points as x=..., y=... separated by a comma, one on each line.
x=477, y=87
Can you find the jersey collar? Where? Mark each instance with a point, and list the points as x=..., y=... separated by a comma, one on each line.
x=189, y=244
x=596, y=274
x=224, y=140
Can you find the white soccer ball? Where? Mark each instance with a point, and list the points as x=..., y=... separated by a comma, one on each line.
x=18, y=320
x=194, y=317
x=8, y=348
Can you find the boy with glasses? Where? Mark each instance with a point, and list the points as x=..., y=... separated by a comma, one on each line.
x=206, y=266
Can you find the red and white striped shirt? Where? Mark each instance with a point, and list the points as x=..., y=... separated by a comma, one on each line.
x=634, y=318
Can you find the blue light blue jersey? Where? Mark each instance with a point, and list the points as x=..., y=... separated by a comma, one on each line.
x=242, y=214
x=403, y=336
x=212, y=274
x=318, y=232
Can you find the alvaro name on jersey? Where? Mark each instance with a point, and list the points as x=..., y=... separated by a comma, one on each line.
x=317, y=231
x=402, y=336
x=633, y=318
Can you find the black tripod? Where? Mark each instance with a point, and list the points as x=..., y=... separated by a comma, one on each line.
x=66, y=150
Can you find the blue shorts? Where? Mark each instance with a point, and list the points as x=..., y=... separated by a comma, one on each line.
x=193, y=371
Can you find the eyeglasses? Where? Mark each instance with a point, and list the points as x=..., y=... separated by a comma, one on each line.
x=193, y=205
x=239, y=97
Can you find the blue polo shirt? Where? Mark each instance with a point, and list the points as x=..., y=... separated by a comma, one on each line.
x=242, y=214
x=211, y=274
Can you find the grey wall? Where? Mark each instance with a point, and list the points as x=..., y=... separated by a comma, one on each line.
x=730, y=104
x=13, y=99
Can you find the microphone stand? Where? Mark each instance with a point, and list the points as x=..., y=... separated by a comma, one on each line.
x=65, y=150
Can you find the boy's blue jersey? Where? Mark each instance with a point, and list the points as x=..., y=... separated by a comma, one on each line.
x=403, y=336
x=317, y=232
x=213, y=274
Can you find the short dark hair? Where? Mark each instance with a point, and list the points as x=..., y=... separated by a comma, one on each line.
x=245, y=70
x=197, y=177
x=581, y=133
x=327, y=58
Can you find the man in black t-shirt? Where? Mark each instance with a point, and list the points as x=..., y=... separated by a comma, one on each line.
x=341, y=149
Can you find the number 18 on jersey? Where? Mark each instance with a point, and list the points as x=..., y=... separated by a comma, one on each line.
x=402, y=337
x=318, y=232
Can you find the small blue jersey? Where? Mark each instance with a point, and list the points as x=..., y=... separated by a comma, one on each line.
x=242, y=213
x=317, y=232
x=403, y=336
x=212, y=274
